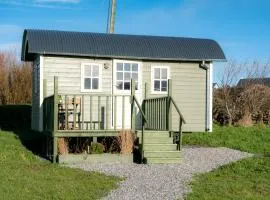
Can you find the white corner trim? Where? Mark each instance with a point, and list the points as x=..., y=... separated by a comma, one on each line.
x=41, y=66
x=152, y=78
x=210, y=98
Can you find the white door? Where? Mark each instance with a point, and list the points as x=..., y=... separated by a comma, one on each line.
x=123, y=72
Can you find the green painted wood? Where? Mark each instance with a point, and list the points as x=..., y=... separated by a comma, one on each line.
x=169, y=105
x=99, y=113
x=162, y=154
x=87, y=133
x=91, y=112
x=66, y=112
x=55, y=109
x=133, y=113
x=74, y=111
x=164, y=160
x=107, y=112
x=82, y=112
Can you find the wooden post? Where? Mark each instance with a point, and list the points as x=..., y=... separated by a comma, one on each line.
x=169, y=118
x=91, y=113
x=74, y=112
x=107, y=112
x=66, y=112
x=133, y=113
x=55, y=121
x=82, y=113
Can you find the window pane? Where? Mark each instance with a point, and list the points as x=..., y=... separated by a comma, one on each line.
x=95, y=84
x=119, y=85
x=164, y=73
x=119, y=66
x=157, y=73
x=95, y=72
x=87, y=70
x=119, y=76
x=127, y=86
x=87, y=83
x=127, y=76
x=134, y=67
x=127, y=67
x=156, y=85
x=163, y=85
x=135, y=76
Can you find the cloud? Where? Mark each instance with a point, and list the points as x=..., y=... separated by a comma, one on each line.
x=57, y=1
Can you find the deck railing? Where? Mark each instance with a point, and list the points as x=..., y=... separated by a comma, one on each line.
x=64, y=111
x=158, y=111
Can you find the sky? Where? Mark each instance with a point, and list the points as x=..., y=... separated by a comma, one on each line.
x=241, y=27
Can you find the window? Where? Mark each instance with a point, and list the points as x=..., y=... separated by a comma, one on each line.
x=125, y=71
x=160, y=76
x=90, y=77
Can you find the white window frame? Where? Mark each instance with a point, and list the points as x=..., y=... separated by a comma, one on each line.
x=99, y=78
x=125, y=92
x=153, y=78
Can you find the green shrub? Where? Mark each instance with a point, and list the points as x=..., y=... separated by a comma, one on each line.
x=15, y=116
x=96, y=148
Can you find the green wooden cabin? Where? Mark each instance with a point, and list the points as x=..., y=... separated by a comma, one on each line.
x=96, y=84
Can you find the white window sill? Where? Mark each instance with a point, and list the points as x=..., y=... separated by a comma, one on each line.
x=157, y=92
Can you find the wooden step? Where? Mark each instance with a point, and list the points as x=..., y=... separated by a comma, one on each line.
x=162, y=154
x=159, y=147
x=164, y=160
x=157, y=140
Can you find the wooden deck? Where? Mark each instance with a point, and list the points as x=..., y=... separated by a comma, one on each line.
x=64, y=115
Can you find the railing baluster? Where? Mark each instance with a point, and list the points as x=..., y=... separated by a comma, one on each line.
x=82, y=112
x=74, y=112
x=99, y=116
x=107, y=112
x=66, y=112
x=91, y=112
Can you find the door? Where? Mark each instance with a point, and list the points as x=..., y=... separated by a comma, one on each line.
x=123, y=72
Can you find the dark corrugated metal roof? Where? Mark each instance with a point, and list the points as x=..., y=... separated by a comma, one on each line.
x=252, y=81
x=118, y=46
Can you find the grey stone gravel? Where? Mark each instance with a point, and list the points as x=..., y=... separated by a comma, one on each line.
x=164, y=181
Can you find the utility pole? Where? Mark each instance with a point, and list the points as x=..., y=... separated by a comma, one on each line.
x=111, y=16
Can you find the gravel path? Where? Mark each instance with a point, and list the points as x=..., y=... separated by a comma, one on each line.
x=165, y=181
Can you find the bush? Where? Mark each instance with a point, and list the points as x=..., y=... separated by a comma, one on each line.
x=15, y=117
x=96, y=148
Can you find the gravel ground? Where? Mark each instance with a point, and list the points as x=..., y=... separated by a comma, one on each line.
x=165, y=181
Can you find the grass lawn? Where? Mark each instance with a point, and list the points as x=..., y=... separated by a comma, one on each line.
x=24, y=176
x=245, y=179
